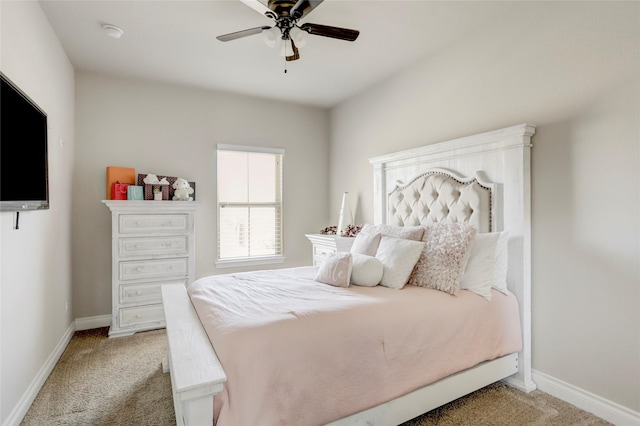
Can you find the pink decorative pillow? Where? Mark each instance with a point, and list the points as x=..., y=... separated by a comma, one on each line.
x=335, y=270
x=444, y=256
x=366, y=243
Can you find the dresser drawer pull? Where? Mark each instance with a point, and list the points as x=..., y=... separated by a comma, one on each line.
x=138, y=293
x=138, y=316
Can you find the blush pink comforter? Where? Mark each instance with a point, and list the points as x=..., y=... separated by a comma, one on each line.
x=298, y=352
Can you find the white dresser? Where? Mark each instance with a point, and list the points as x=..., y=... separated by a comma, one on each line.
x=325, y=245
x=152, y=243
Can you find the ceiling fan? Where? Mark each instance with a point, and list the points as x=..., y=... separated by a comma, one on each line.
x=286, y=14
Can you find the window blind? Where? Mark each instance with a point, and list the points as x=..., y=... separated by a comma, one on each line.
x=249, y=203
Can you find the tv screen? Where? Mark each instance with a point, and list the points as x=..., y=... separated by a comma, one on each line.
x=23, y=151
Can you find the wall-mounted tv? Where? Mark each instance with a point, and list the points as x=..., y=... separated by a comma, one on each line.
x=24, y=171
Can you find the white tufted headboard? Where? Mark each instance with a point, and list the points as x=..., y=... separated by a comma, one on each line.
x=483, y=179
x=439, y=195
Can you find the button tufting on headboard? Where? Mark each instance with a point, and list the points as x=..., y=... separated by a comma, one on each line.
x=439, y=197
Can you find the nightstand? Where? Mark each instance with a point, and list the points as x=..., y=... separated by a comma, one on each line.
x=325, y=245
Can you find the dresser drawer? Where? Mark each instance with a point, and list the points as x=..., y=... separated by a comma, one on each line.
x=145, y=293
x=153, y=246
x=151, y=223
x=150, y=269
x=322, y=251
x=140, y=315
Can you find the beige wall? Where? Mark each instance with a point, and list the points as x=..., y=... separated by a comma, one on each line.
x=173, y=130
x=35, y=270
x=572, y=69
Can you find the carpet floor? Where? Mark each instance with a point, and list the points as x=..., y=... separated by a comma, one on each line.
x=101, y=381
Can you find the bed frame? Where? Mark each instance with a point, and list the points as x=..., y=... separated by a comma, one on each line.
x=499, y=160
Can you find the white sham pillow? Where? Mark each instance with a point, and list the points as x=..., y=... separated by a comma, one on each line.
x=398, y=257
x=366, y=270
x=502, y=264
x=366, y=243
x=487, y=264
x=335, y=270
x=405, y=232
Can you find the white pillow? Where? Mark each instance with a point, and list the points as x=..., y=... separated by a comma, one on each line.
x=487, y=264
x=335, y=270
x=366, y=270
x=398, y=257
x=366, y=243
x=445, y=256
x=502, y=264
x=405, y=232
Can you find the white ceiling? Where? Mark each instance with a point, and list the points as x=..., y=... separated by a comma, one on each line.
x=175, y=41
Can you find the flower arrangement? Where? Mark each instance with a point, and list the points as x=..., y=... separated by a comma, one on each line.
x=349, y=231
x=329, y=230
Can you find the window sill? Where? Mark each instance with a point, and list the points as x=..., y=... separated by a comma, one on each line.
x=232, y=263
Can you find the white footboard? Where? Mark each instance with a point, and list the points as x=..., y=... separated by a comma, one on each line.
x=196, y=373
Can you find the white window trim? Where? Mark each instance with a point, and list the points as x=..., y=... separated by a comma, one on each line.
x=263, y=260
x=245, y=148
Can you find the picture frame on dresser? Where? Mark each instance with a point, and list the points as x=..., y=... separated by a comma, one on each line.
x=152, y=244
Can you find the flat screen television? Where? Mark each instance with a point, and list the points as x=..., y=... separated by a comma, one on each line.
x=24, y=174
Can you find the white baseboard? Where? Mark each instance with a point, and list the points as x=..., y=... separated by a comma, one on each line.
x=601, y=407
x=93, y=322
x=20, y=410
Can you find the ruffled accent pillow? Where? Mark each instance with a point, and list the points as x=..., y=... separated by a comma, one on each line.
x=398, y=257
x=445, y=254
x=335, y=270
x=366, y=270
x=366, y=243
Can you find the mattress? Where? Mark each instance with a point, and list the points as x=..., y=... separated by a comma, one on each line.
x=296, y=351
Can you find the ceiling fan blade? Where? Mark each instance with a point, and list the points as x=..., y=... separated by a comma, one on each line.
x=303, y=7
x=333, y=32
x=296, y=54
x=258, y=6
x=243, y=33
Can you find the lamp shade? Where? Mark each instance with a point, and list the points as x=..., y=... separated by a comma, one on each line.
x=298, y=36
x=271, y=36
x=286, y=49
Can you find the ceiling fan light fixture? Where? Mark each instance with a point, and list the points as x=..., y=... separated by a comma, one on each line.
x=298, y=36
x=286, y=48
x=271, y=36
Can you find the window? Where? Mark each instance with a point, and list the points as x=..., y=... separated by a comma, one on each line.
x=249, y=205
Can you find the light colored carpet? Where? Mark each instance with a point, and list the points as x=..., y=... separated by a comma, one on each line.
x=102, y=381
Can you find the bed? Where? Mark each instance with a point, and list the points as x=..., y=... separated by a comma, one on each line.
x=491, y=171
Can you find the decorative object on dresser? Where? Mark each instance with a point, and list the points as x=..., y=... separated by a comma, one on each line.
x=152, y=244
x=182, y=190
x=150, y=182
x=325, y=245
x=119, y=175
x=345, y=217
